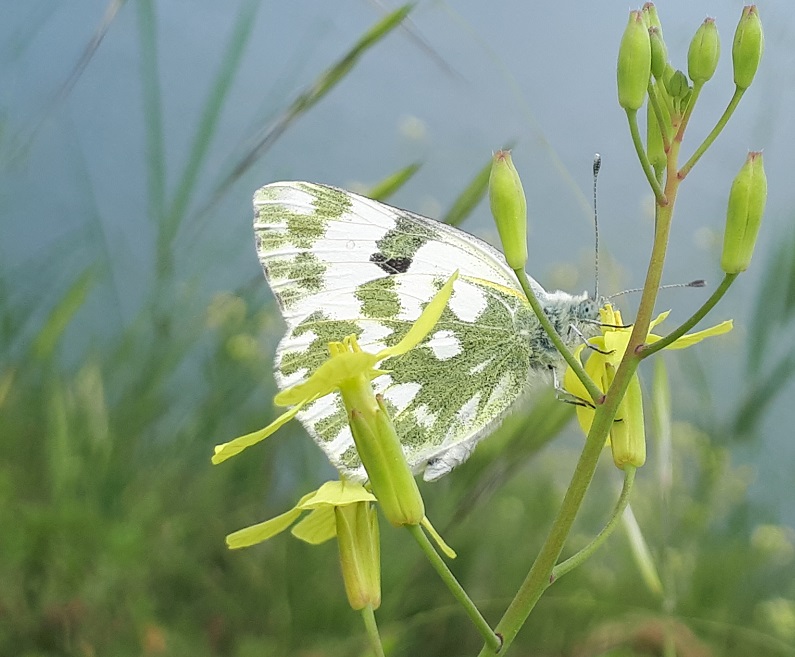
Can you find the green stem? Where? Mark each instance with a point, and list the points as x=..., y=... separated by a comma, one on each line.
x=709, y=304
x=593, y=390
x=665, y=126
x=697, y=87
x=572, y=562
x=493, y=641
x=712, y=136
x=372, y=631
x=538, y=579
x=632, y=118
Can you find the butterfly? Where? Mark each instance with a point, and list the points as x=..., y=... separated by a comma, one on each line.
x=340, y=264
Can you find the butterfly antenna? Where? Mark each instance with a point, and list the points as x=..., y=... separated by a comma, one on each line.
x=697, y=283
x=597, y=164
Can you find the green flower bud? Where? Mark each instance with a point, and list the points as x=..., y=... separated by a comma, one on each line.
x=634, y=63
x=659, y=52
x=650, y=17
x=744, y=215
x=677, y=85
x=748, y=46
x=628, y=434
x=382, y=455
x=509, y=207
x=704, y=52
x=360, y=553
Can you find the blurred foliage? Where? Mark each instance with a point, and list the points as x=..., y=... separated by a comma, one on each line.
x=113, y=519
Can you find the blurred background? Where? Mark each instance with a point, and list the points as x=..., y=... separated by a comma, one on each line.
x=136, y=330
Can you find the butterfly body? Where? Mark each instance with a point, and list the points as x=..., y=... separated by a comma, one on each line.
x=341, y=264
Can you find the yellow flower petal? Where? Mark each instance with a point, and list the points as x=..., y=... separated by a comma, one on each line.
x=425, y=322
x=328, y=376
x=263, y=531
x=693, y=338
x=227, y=450
x=659, y=319
x=337, y=493
x=444, y=547
x=317, y=527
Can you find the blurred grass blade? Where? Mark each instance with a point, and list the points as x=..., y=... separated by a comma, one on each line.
x=661, y=419
x=414, y=35
x=108, y=17
x=468, y=200
x=153, y=111
x=641, y=553
x=212, y=111
x=305, y=101
x=385, y=188
x=54, y=326
x=775, y=304
x=760, y=395
x=80, y=66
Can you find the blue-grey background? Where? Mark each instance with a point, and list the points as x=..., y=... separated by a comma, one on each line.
x=74, y=174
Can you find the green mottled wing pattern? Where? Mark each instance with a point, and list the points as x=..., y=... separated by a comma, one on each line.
x=341, y=264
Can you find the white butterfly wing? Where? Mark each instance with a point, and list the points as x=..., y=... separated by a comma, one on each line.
x=342, y=264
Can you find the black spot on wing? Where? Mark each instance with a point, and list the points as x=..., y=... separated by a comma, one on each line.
x=398, y=265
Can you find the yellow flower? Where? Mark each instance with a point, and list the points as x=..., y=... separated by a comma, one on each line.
x=627, y=437
x=338, y=508
x=341, y=509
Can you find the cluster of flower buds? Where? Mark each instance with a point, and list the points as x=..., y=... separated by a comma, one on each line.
x=643, y=69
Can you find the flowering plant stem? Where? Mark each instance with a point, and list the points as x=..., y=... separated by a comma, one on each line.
x=493, y=641
x=372, y=631
x=632, y=118
x=575, y=560
x=540, y=575
x=712, y=136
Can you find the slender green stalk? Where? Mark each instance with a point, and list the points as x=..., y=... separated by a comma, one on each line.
x=632, y=118
x=712, y=136
x=153, y=110
x=211, y=113
x=593, y=390
x=327, y=80
x=493, y=641
x=709, y=304
x=697, y=87
x=372, y=631
x=538, y=579
x=654, y=99
x=572, y=562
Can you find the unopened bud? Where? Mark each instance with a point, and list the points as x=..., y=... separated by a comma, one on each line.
x=382, y=456
x=747, y=200
x=509, y=207
x=360, y=553
x=650, y=16
x=748, y=46
x=704, y=52
x=677, y=85
x=659, y=52
x=634, y=63
x=628, y=434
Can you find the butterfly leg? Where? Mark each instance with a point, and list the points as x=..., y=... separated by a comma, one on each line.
x=579, y=333
x=561, y=394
